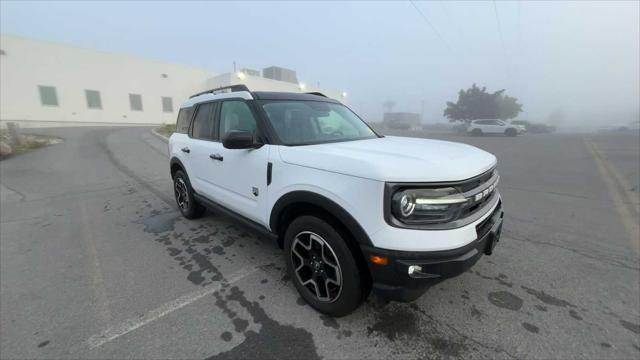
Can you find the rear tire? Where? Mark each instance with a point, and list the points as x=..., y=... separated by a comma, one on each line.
x=476, y=132
x=322, y=267
x=187, y=204
x=511, y=132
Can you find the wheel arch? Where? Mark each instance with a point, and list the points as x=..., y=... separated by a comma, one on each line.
x=174, y=165
x=294, y=203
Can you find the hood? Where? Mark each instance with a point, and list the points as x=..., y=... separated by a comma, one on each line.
x=394, y=159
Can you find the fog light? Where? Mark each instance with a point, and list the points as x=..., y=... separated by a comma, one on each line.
x=414, y=269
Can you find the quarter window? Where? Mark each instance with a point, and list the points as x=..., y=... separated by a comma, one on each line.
x=167, y=104
x=236, y=115
x=48, y=95
x=93, y=99
x=184, y=120
x=135, y=100
x=203, y=122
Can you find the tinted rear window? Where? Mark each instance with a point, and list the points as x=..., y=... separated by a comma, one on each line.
x=184, y=118
x=203, y=122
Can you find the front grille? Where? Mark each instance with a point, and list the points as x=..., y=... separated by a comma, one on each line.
x=475, y=182
x=477, y=205
x=481, y=195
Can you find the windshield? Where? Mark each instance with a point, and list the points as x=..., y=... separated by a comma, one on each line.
x=313, y=122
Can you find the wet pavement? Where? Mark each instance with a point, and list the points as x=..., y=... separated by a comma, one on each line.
x=95, y=262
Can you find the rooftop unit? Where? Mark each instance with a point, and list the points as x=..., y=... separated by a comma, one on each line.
x=250, y=72
x=280, y=74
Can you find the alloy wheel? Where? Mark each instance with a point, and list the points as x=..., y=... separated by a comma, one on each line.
x=316, y=266
x=182, y=197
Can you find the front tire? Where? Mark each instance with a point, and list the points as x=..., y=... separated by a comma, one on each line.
x=183, y=192
x=511, y=132
x=322, y=267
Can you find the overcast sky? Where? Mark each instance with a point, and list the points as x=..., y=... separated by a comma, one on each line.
x=582, y=57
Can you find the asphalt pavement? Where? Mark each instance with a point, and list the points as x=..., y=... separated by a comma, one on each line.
x=96, y=262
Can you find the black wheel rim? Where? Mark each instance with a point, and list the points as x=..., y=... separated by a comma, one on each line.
x=316, y=266
x=182, y=196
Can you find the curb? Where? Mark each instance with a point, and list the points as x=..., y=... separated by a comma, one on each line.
x=162, y=137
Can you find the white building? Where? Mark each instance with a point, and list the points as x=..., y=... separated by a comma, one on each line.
x=50, y=84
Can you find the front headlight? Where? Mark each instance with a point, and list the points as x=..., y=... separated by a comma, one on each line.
x=427, y=206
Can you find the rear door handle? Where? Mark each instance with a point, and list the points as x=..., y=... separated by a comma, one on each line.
x=216, y=157
x=185, y=149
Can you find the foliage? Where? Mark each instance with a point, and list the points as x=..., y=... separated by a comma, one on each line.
x=477, y=103
x=167, y=129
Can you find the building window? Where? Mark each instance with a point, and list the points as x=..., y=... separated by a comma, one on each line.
x=167, y=104
x=93, y=99
x=135, y=100
x=48, y=95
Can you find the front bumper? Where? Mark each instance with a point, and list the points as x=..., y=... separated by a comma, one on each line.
x=393, y=280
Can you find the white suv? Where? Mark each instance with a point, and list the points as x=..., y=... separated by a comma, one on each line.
x=493, y=126
x=353, y=210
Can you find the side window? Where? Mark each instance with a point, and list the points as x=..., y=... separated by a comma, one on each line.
x=48, y=95
x=236, y=115
x=167, y=104
x=93, y=99
x=184, y=120
x=203, y=122
x=481, y=122
x=135, y=102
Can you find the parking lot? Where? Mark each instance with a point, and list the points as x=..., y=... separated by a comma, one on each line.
x=96, y=262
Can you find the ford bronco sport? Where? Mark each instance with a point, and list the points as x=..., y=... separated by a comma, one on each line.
x=353, y=210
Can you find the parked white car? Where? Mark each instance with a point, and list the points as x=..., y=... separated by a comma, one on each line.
x=353, y=210
x=494, y=126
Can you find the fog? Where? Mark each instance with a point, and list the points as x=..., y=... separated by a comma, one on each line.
x=580, y=57
x=159, y=200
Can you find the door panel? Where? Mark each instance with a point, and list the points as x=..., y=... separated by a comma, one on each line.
x=244, y=179
x=495, y=127
x=207, y=170
x=203, y=170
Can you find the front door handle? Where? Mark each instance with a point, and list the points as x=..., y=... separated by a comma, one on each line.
x=185, y=149
x=216, y=157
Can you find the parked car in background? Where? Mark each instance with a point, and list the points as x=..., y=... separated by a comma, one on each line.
x=620, y=128
x=534, y=128
x=460, y=128
x=494, y=126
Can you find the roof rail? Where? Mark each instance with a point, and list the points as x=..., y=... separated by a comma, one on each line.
x=232, y=88
x=316, y=93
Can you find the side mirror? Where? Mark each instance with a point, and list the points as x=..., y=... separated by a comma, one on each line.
x=239, y=139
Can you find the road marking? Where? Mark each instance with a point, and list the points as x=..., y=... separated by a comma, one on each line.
x=97, y=280
x=617, y=191
x=132, y=324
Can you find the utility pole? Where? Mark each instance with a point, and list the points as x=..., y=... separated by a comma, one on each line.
x=234, y=66
x=422, y=112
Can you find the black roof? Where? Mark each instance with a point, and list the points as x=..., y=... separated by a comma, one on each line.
x=273, y=95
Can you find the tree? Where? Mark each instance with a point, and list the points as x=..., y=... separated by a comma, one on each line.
x=477, y=103
x=389, y=105
x=508, y=107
